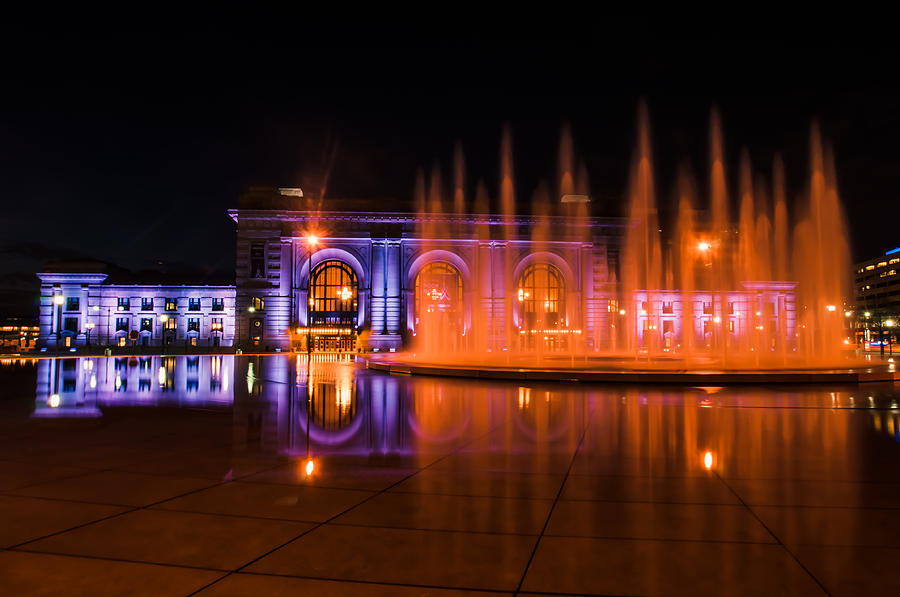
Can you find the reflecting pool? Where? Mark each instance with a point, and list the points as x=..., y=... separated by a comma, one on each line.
x=256, y=474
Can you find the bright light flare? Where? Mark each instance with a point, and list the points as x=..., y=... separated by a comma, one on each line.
x=53, y=401
x=312, y=240
x=58, y=299
x=830, y=308
x=309, y=467
x=703, y=246
x=708, y=460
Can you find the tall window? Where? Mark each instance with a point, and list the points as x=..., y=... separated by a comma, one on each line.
x=70, y=324
x=146, y=304
x=146, y=324
x=72, y=303
x=438, y=290
x=170, y=323
x=334, y=295
x=257, y=260
x=193, y=324
x=171, y=304
x=541, y=297
x=121, y=324
x=257, y=304
x=194, y=304
x=123, y=304
x=218, y=304
x=216, y=325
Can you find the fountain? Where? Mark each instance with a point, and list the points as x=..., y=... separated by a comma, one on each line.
x=705, y=290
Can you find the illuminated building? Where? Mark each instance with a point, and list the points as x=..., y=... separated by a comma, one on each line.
x=876, y=299
x=382, y=280
x=78, y=309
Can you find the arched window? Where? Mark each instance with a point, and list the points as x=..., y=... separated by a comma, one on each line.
x=541, y=297
x=334, y=297
x=438, y=291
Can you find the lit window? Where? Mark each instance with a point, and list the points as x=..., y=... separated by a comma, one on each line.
x=123, y=304
x=171, y=304
x=870, y=267
x=146, y=324
x=170, y=323
x=257, y=304
x=544, y=298
x=122, y=341
x=439, y=290
x=216, y=324
x=668, y=308
x=882, y=263
x=334, y=295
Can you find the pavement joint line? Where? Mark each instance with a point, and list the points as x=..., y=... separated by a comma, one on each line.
x=588, y=420
x=321, y=524
x=113, y=559
x=375, y=582
x=129, y=510
x=776, y=537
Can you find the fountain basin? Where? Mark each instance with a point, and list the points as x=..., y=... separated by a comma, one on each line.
x=619, y=375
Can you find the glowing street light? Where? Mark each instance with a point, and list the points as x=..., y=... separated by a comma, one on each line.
x=708, y=460
x=57, y=299
x=703, y=246
x=889, y=323
x=310, y=467
x=830, y=308
x=848, y=313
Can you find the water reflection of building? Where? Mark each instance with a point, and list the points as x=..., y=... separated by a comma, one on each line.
x=84, y=386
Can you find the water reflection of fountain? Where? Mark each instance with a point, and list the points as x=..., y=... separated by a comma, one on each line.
x=745, y=288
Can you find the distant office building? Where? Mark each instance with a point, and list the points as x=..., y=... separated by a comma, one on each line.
x=877, y=299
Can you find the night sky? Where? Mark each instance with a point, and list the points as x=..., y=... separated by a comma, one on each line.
x=127, y=145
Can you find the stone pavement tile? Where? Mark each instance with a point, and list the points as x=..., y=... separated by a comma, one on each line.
x=116, y=487
x=26, y=518
x=833, y=526
x=45, y=575
x=774, y=492
x=587, y=462
x=537, y=461
x=206, y=466
x=14, y=475
x=708, y=490
x=239, y=585
x=852, y=571
x=343, y=476
x=451, y=513
x=179, y=538
x=291, y=502
x=633, y=567
x=434, y=558
x=483, y=483
x=638, y=520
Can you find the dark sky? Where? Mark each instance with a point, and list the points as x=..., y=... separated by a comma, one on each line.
x=128, y=143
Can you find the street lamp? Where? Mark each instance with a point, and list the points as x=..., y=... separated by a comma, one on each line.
x=312, y=240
